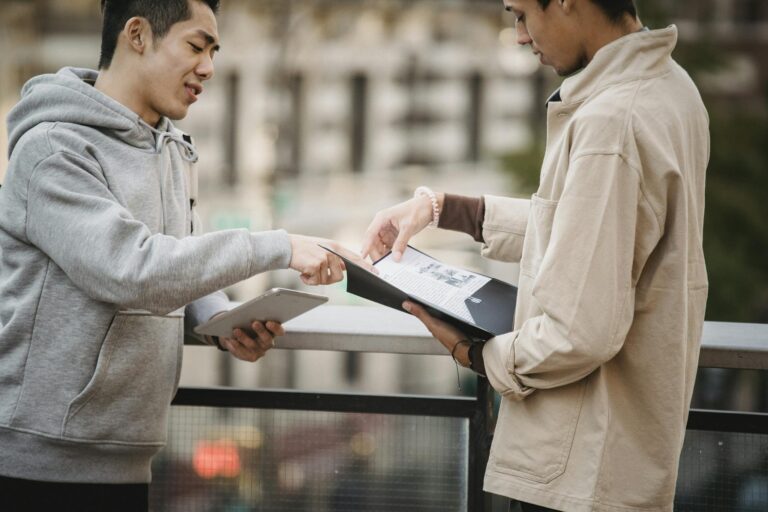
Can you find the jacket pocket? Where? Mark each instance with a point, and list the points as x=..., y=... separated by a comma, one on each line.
x=537, y=234
x=534, y=436
x=128, y=396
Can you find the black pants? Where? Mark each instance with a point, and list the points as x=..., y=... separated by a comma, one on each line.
x=32, y=496
x=527, y=507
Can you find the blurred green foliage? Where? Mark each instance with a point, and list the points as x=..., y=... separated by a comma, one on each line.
x=736, y=215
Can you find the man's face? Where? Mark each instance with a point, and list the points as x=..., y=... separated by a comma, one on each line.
x=177, y=65
x=552, y=34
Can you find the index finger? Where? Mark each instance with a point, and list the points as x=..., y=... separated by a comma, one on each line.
x=401, y=243
x=371, y=235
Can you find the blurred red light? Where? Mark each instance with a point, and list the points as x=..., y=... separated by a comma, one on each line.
x=216, y=458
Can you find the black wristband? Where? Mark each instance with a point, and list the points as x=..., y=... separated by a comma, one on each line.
x=476, y=363
x=217, y=342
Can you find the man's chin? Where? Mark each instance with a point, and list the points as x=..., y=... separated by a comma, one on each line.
x=565, y=73
x=177, y=114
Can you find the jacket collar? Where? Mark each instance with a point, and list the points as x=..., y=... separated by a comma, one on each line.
x=633, y=57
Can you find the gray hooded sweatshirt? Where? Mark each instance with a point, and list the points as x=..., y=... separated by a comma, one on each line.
x=100, y=256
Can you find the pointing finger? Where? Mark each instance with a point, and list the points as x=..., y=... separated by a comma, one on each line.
x=401, y=242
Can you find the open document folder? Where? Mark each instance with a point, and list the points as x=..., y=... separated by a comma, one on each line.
x=479, y=306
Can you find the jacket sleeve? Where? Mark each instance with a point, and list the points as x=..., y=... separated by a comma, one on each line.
x=504, y=227
x=583, y=288
x=73, y=217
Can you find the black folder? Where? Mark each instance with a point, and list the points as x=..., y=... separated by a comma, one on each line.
x=492, y=307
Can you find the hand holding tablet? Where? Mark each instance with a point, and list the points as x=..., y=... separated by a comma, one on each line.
x=278, y=305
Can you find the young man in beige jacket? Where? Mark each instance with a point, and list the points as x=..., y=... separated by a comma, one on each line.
x=596, y=379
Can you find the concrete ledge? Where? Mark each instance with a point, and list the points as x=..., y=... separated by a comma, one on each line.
x=384, y=330
x=734, y=345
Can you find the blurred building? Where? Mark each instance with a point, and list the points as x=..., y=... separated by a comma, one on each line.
x=321, y=113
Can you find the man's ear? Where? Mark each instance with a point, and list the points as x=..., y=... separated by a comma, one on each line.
x=137, y=33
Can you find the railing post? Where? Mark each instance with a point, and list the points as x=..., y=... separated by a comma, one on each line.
x=480, y=434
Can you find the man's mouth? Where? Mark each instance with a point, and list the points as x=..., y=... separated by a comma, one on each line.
x=194, y=90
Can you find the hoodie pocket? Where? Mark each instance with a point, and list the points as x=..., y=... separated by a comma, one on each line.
x=129, y=394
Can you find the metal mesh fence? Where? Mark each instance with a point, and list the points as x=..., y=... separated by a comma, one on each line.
x=228, y=460
x=257, y=460
x=723, y=472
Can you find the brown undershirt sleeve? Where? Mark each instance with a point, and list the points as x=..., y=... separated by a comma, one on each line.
x=464, y=214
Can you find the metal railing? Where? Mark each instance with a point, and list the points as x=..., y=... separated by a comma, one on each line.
x=376, y=329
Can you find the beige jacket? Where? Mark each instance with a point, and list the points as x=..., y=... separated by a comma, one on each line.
x=596, y=379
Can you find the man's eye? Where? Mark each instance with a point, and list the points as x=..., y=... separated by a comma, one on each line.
x=520, y=19
x=196, y=48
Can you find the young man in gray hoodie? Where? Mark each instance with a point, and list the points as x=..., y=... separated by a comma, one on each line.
x=102, y=260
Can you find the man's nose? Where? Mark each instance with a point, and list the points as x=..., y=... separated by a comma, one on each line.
x=523, y=37
x=205, y=70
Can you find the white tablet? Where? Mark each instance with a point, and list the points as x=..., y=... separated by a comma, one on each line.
x=278, y=305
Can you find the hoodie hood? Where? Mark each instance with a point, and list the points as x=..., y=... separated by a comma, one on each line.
x=68, y=96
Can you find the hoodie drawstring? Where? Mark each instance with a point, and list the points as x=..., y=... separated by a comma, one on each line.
x=189, y=153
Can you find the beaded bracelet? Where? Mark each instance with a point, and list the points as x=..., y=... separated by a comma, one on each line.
x=427, y=192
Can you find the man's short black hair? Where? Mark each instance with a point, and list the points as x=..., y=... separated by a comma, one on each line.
x=614, y=9
x=161, y=15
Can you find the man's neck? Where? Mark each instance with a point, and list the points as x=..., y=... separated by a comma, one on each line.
x=121, y=89
x=609, y=32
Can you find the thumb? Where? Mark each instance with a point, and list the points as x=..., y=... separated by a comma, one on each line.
x=422, y=315
x=414, y=309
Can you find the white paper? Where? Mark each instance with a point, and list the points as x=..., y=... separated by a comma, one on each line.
x=431, y=281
